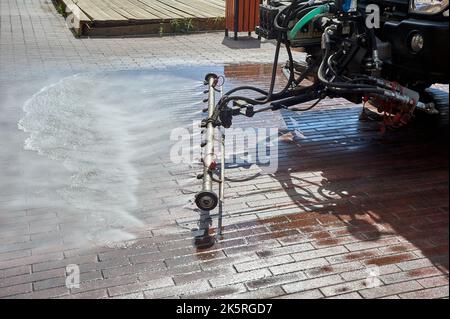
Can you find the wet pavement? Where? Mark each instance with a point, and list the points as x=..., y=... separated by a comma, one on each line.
x=86, y=179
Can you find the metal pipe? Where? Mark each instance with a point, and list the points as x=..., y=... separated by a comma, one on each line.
x=209, y=148
x=222, y=184
x=206, y=199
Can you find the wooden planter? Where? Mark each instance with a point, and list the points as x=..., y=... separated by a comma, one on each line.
x=241, y=16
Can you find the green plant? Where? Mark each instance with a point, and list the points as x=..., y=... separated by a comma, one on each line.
x=182, y=25
x=218, y=20
x=61, y=9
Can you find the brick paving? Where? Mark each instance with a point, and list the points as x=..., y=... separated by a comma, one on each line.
x=350, y=213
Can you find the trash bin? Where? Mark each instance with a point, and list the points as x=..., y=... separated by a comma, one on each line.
x=241, y=16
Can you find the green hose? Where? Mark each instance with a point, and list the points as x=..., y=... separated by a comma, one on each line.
x=307, y=18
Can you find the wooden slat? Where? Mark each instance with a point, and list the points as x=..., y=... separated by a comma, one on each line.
x=101, y=9
x=160, y=12
x=94, y=13
x=201, y=7
x=120, y=9
x=174, y=10
x=146, y=10
x=229, y=15
x=246, y=5
x=189, y=9
x=123, y=10
x=217, y=5
x=240, y=20
x=257, y=16
x=112, y=7
x=251, y=20
x=79, y=14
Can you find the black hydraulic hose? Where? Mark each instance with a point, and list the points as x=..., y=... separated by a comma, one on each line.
x=307, y=108
x=298, y=99
x=252, y=88
x=291, y=72
x=374, y=90
x=226, y=98
x=285, y=93
x=269, y=96
x=347, y=87
x=272, y=81
x=247, y=88
x=284, y=27
x=305, y=74
x=329, y=60
x=266, y=98
x=342, y=87
x=294, y=93
x=373, y=39
x=277, y=17
x=300, y=12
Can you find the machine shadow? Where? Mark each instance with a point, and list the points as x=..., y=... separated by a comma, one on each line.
x=359, y=183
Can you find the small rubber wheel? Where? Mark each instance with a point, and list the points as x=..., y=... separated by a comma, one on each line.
x=206, y=200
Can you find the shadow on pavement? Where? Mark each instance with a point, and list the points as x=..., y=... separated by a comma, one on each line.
x=367, y=186
x=246, y=42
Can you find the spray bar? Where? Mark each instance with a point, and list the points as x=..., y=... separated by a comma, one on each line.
x=207, y=199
